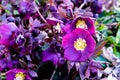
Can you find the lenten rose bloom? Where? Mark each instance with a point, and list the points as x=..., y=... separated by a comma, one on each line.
x=78, y=45
x=81, y=22
x=17, y=74
x=7, y=34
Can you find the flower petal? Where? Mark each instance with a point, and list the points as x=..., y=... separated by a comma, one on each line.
x=71, y=54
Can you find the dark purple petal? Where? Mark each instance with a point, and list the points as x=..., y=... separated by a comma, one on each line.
x=96, y=7
x=10, y=75
x=49, y=56
x=68, y=40
x=10, y=65
x=71, y=54
x=90, y=25
x=68, y=28
x=81, y=33
x=8, y=33
x=85, y=55
x=2, y=65
x=53, y=21
x=91, y=42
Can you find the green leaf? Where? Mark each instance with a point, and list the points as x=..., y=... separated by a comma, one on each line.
x=7, y=12
x=108, y=20
x=105, y=13
x=117, y=19
x=15, y=12
x=118, y=36
x=116, y=52
x=112, y=39
x=102, y=27
x=37, y=1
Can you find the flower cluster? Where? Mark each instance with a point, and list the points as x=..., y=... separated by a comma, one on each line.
x=36, y=33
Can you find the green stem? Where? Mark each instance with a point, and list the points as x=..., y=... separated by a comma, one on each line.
x=53, y=73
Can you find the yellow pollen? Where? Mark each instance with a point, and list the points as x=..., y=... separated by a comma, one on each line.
x=20, y=76
x=81, y=24
x=80, y=44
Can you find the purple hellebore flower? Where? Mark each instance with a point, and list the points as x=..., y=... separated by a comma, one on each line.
x=17, y=74
x=93, y=68
x=53, y=8
x=78, y=45
x=50, y=55
x=26, y=7
x=96, y=7
x=7, y=34
x=81, y=22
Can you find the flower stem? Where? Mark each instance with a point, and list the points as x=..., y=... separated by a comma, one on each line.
x=53, y=73
x=36, y=8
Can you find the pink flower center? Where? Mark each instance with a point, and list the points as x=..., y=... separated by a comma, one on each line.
x=80, y=44
x=81, y=24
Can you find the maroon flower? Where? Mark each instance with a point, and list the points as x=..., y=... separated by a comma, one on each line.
x=81, y=22
x=78, y=45
x=8, y=33
x=17, y=74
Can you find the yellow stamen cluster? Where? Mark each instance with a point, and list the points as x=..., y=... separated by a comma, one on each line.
x=80, y=44
x=20, y=76
x=81, y=24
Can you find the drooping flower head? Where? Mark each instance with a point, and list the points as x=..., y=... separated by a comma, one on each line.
x=78, y=45
x=81, y=22
x=8, y=33
x=17, y=74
